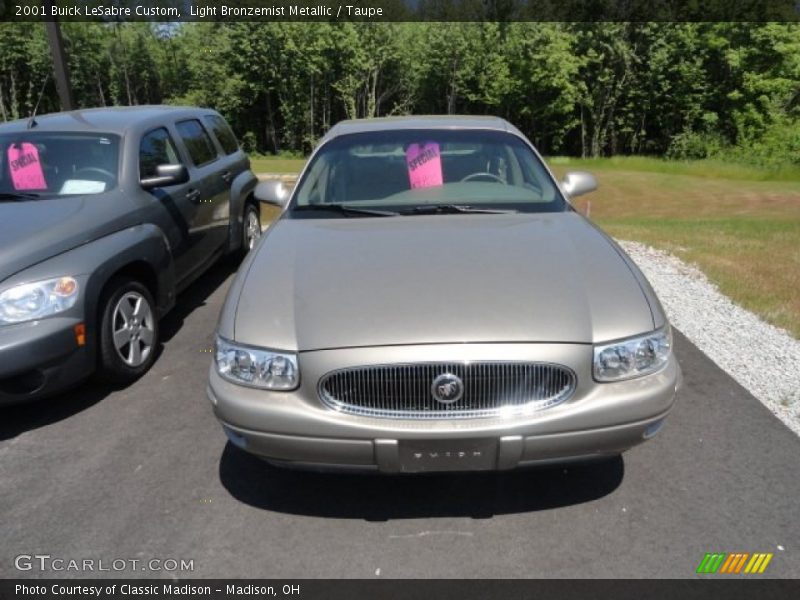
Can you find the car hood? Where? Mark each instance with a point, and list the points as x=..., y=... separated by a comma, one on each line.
x=33, y=231
x=334, y=283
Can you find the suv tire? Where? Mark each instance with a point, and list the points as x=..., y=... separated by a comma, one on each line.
x=251, y=227
x=129, y=333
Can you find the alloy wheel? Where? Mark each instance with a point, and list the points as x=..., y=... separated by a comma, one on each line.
x=133, y=329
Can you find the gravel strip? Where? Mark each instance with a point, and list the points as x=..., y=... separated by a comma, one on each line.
x=762, y=358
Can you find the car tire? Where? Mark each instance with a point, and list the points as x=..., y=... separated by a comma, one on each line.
x=129, y=334
x=251, y=227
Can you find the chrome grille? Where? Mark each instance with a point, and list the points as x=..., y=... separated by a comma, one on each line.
x=490, y=389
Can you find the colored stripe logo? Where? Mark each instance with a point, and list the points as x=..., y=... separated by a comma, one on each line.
x=734, y=563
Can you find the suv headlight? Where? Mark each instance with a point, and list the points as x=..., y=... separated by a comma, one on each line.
x=256, y=367
x=634, y=357
x=37, y=300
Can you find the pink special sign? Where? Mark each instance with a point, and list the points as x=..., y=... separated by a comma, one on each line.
x=424, y=162
x=25, y=167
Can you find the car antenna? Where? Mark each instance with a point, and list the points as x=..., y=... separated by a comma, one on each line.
x=32, y=121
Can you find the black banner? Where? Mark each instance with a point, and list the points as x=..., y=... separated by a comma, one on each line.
x=401, y=10
x=320, y=589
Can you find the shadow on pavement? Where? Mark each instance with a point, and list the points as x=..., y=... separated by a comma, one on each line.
x=195, y=296
x=17, y=419
x=385, y=497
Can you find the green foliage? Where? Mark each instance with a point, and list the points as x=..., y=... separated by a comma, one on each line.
x=249, y=142
x=726, y=91
x=777, y=145
x=695, y=145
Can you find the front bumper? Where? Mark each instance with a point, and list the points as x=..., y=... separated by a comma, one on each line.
x=296, y=428
x=40, y=358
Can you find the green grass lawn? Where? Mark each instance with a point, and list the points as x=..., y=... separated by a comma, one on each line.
x=276, y=164
x=741, y=230
x=739, y=225
x=714, y=169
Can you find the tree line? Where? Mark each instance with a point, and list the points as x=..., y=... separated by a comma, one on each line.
x=681, y=90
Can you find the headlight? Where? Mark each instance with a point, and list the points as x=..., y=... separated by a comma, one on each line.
x=36, y=300
x=633, y=357
x=256, y=367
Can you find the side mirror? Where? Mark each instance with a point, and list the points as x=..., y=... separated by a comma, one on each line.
x=577, y=183
x=271, y=192
x=166, y=175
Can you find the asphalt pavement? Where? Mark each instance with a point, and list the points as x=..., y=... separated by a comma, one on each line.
x=145, y=473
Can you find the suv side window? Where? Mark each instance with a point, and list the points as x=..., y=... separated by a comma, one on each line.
x=156, y=148
x=223, y=133
x=198, y=143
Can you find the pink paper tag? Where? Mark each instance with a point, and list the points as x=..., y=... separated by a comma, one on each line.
x=26, y=170
x=424, y=164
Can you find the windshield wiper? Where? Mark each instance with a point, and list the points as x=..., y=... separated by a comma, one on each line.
x=432, y=209
x=18, y=196
x=347, y=210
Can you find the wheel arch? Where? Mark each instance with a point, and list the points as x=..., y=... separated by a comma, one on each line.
x=141, y=252
x=242, y=194
x=111, y=365
x=141, y=271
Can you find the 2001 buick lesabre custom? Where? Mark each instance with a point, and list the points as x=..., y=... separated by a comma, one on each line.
x=429, y=300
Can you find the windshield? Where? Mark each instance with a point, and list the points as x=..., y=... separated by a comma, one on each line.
x=408, y=170
x=38, y=164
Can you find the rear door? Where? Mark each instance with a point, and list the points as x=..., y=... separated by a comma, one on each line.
x=209, y=188
x=208, y=169
x=233, y=160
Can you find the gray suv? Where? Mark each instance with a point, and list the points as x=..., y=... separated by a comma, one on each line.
x=105, y=215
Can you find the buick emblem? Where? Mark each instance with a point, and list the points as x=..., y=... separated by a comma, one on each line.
x=447, y=388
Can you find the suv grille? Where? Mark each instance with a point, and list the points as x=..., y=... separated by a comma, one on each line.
x=447, y=390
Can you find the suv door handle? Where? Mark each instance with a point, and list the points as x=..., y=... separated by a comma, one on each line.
x=226, y=176
x=193, y=195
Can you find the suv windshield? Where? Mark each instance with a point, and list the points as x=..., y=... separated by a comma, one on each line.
x=35, y=164
x=414, y=171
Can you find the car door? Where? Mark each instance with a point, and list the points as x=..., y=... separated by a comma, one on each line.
x=211, y=183
x=179, y=204
x=232, y=163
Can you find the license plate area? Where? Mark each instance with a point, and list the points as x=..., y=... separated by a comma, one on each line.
x=419, y=456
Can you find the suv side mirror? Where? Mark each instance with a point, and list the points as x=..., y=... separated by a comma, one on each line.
x=577, y=183
x=271, y=192
x=166, y=175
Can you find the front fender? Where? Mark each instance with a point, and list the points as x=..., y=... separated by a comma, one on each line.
x=96, y=261
x=241, y=188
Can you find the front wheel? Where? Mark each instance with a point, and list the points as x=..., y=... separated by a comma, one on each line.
x=128, y=331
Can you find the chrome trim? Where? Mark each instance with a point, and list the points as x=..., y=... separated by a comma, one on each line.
x=490, y=389
x=441, y=386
